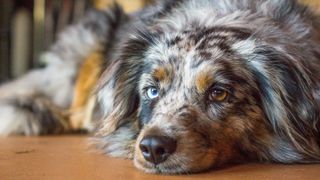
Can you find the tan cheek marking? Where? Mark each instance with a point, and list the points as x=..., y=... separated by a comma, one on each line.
x=203, y=81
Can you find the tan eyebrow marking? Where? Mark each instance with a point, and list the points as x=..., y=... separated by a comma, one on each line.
x=163, y=74
x=160, y=74
x=203, y=81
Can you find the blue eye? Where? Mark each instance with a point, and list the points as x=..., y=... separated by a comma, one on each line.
x=152, y=92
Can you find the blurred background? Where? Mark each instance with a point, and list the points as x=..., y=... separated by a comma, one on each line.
x=29, y=27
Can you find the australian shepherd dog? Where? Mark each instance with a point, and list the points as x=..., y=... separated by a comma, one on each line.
x=181, y=86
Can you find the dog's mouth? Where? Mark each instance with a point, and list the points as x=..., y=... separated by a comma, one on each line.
x=176, y=164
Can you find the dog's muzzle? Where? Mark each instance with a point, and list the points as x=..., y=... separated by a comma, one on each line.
x=157, y=149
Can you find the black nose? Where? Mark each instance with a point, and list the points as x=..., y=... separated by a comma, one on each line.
x=157, y=149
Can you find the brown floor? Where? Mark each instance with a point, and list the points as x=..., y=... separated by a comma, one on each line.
x=68, y=157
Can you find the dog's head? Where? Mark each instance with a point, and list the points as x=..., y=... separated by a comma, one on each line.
x=185, y=100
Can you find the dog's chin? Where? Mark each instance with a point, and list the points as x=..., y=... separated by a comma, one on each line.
x=175, y=165
x=161, y=168
x=152, y=168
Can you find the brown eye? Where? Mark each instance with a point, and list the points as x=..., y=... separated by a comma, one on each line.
x=218, y=95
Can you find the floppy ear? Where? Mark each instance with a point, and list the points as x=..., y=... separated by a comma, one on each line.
x=119, y=99
x=117, y=104
x=118, y=89
x=287, y=85
x=119, y=94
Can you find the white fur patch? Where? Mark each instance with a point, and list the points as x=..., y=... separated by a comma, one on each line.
x=13, y=121
x=105, y=98
x=245, y=47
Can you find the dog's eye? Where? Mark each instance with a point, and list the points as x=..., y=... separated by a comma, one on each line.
x=218, y=95
x=152, y=92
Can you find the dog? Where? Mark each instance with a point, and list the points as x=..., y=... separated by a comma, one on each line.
x=181, y=86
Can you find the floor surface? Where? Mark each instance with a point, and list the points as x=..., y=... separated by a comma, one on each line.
x=69, y=157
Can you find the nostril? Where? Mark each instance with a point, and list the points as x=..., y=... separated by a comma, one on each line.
x=160, y=151
x=144, y=149
x=145, y=146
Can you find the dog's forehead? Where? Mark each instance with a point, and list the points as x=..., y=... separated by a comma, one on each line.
x=194, y=52
x=205, y=43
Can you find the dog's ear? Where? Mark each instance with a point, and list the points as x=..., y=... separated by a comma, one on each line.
x=117, y=102
x=287, y=85
x=118, y=94
x=118, y=97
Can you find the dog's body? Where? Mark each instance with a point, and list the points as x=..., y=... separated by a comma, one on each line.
x=188, y=85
